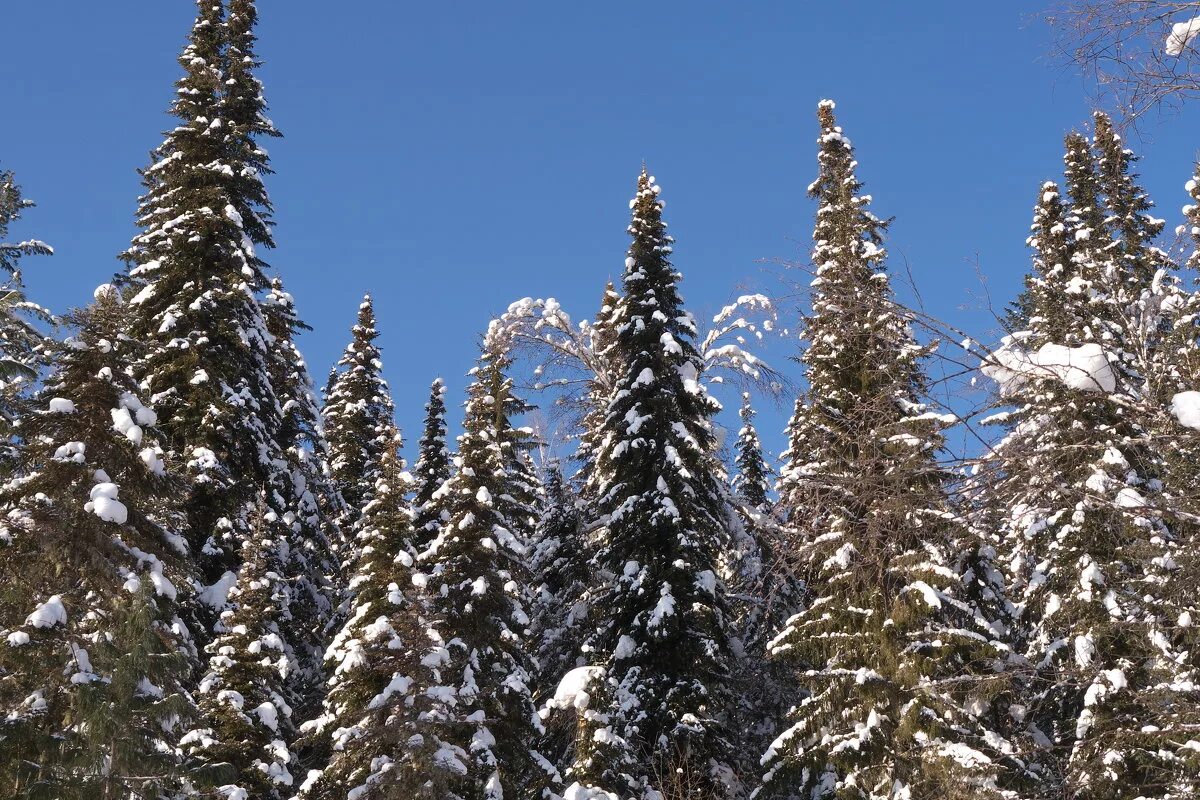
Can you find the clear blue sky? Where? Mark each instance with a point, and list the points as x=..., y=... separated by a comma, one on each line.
x=451, y=157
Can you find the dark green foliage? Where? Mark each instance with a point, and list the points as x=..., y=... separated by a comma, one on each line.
x=1092, y=531
x=657, y=623
x=245, y=719
x=752, y=481
x=124, y=712
x=193, y=278
x=478, y=665
x=89, y=529
x=371, y=710
x=559, y=578
x=432, y=469
x=358, y=416
x=306, y=501
x=21, y=343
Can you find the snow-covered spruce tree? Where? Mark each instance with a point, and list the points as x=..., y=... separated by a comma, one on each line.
x=764, y=594
x=1079, y=485
x=193, y=280
x=304, y=501
x=243, y=113
x=240, y=747
x=601, y=380
x=12, y=203
x=358, y=416
x=129, y=717
x=1180, y=447
x=886, y=642
x=432, y=469
x=307, y=502
x=792, y=460
x=478, y=666
x=92, y=654
x=368, y=737
x=559, y=577
x=561, y=547
x=763, y=589
x=1161, y=314
x=752, y=482
x=658, y=644
x=20, y=341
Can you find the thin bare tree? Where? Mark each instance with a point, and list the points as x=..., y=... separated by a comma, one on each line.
x=1138, y=55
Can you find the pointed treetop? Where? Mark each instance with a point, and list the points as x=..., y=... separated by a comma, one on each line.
x=432, y=469
x=1083, y=186
x=753, y=478
x=1128, y=207
x=825, y=115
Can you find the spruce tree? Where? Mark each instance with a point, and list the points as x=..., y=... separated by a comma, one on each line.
x=94, y=654
x=131, y=713
x=764, y=594
x=478, y=666
x=432, y=469
x=1180, y=445
x=12, y=203
x=558, y=579
x=245, y=716
x=243, y=111
x=1092, y=534
x=562, y=543
x=193, y=280
x=886, y=641
x=306, y=502
x=752, y=481
x=658, y=629
x=605, y=358
x=21, y=342
x=358, y=416
x=367, y=734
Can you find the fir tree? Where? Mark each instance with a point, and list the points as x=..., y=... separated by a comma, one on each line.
x=91, y=672
x=243, y=110
x=764, y=594
x=559, y=579
x=20, y=341
x=372, y=711
x=432, y=469
x=658, y=629
x=1087, y=515
x=245, y=716
x=606, y=368
x=478, y=668
x=752, y=481
x=305, y=498
x=358, y=416
x=193, y=280
x=885, y=640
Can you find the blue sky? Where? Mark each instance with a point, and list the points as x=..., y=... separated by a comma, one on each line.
x=452, y=157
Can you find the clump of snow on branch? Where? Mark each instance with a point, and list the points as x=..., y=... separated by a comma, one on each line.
x=1181, y=36
x=1086, y=367
x=1186, y=408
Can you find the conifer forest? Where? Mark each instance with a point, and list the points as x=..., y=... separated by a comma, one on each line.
x=220, y=581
